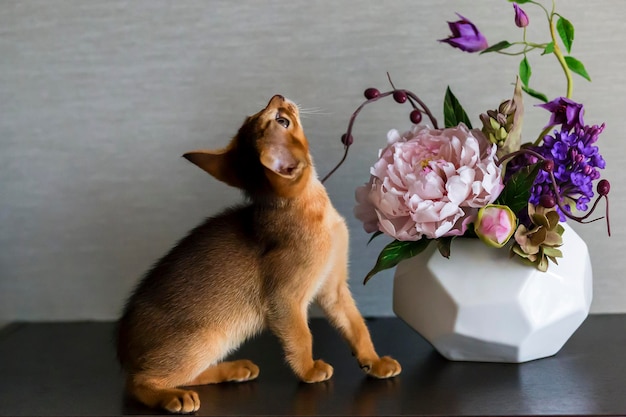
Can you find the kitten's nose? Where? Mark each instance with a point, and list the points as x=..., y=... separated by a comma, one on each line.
x=277, y=99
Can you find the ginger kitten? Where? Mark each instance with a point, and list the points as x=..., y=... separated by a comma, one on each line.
x=255, y=266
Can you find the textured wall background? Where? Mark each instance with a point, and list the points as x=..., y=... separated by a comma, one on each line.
x=99, y=99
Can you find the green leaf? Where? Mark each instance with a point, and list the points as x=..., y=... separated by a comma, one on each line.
x=374, y=235
x=525, y=71
x=552, y=252
x=566, y=32
x=577, y=67
x=395, y=252
x=453, y=112
x=516, y=192
x=548, y=49
x=535, y=94
x=443, y=245
x=497, y=47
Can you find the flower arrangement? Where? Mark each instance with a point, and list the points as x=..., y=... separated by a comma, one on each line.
x=433, y=185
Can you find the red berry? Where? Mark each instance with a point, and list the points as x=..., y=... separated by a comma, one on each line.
x=547, y=201
x=399, y=96
x=548, y=165
x=604, y=186
x=371, y=93
x=346, y=140
x=415, y=116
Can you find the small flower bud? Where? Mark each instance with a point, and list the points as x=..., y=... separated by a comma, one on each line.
x=371, y=93
x=501, y=134
x=521, y=18
x=493, y=123
x=399, y=96
x=347, y=140
x=495, y=224
x=507, y=107
x=604, y=186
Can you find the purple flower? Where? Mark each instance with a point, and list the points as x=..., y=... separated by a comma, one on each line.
x=521, y=18
x=565, y=112
x=576, y=165
x=465, y=36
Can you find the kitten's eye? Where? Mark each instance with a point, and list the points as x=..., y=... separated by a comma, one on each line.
x=282, y=121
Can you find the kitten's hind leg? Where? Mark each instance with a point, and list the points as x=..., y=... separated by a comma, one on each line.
x=173, y=400
x=234, y=371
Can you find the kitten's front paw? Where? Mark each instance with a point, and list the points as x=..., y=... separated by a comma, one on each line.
x=242, y=370
x=385, y=367
x=321, y=371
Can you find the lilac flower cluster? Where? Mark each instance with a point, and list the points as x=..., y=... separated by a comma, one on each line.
x=576, y=158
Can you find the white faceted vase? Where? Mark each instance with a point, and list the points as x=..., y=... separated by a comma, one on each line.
x=481, y=305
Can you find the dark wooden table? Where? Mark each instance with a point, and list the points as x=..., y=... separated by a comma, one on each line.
x=70, y=369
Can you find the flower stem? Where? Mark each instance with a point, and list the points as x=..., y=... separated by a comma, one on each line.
x=348, y=134
x=542, y=134
x=559, y=56
x=522, y=52
x=544, y=9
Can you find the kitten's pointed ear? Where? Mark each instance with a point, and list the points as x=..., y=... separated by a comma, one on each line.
x=282, y=161
x=220, y=164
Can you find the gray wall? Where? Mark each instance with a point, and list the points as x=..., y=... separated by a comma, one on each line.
x=98, y=100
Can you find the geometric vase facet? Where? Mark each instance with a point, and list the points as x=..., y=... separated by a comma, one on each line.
x=482, y=305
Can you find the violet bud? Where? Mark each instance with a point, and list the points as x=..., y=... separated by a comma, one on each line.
x=521, y=18
x=465, y=36
x=347, y=140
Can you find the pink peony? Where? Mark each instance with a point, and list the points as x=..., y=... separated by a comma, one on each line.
x=429, y=182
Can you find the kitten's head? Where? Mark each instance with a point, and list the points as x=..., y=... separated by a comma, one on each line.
x=269, y=155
